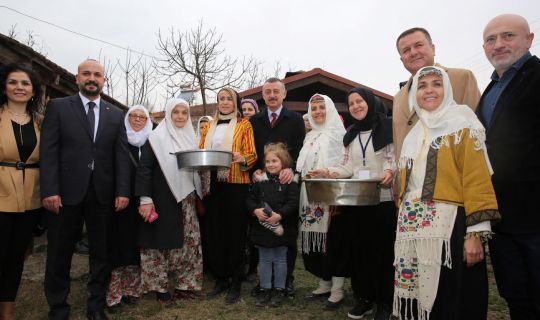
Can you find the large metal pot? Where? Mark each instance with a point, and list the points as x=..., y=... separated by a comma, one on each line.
x=203, y=159
x=344, y=192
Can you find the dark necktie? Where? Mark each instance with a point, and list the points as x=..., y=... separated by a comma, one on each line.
x=91, y=117
x=274, y=119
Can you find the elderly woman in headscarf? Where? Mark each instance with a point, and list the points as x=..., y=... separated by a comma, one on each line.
x=321, y=231
x=249, y=108
x=369, y=154
x=125, y=284
x=446, y=203
x=169, y=235
x=226, y=212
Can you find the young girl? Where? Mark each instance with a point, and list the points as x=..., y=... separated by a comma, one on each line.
x=271, y=203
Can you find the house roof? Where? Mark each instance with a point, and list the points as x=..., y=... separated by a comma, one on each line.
x=299, y=79
x=58, y=80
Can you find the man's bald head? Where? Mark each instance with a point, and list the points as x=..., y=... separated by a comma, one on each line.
x=90, y=78
x=507, y=38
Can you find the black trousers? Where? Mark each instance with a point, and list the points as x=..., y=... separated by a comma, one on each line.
x=15, y=235
x=64, y=231
x=516, y=263
x=335, y=261
x=373, y=233
x=226, y=229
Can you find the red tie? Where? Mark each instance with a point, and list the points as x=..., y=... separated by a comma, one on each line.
x=274, y=119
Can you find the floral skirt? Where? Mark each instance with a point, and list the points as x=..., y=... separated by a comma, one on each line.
x=184, y=263
x=125, y=281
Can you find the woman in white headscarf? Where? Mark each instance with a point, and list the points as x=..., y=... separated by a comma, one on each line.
x=125, y=284
x=446, y=204
x=321, y=252
x=368, y=154
x=170, y=243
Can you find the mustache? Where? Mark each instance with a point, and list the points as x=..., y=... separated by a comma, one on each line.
x=91, y=82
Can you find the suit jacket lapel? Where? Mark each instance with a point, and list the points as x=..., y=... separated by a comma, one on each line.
x=264, y=119
x=407, y=112
x=506, y=94
x=78, y=108
x=103, y=109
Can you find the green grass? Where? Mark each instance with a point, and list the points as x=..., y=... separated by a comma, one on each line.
x=31, y=304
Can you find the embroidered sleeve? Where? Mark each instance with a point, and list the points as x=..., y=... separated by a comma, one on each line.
x=345, y=169
x=478, y=193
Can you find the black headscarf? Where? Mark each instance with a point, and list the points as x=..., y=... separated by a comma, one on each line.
x=375, y=120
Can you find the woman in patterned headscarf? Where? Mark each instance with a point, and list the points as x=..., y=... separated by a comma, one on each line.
x=446, y=203
x=321, y=249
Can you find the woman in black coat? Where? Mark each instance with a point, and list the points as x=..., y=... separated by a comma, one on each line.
x=169, y=237
x=125, y=284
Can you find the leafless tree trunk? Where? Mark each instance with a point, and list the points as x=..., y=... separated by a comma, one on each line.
x=197, y=57
x=12, y=32
x=109, y=70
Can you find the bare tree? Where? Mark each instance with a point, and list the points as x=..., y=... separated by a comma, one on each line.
x=197, y=57
x=142, y=82
x=31, y=39
x=109, y=69
x=127, y=68
x=12, y=32
x=255, y=76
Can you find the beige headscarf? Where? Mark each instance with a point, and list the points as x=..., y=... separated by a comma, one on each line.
x=227, y=141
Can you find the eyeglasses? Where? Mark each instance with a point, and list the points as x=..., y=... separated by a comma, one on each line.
x=136, y=117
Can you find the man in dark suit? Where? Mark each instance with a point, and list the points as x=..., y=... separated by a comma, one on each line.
x=278, y=124
x=84, y=175
x=510, y=111
x=288, y=126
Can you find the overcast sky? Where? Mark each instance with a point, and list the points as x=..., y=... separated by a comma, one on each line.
x=354, y=39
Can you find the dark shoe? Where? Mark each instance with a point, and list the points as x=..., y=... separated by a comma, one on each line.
x=278, y=296
x=221, y=286
x=317, y=296
x=289, y=289
x=361, y=309
x=129, y=300
x=256, y=290
x=114, y=309
x=251, y=277
x=232, y=295
x=97, y=315
x=383, y=312
x=185, y=294
x=165, y=299
x=81, y=247
x=264, y=297
x=332, y=306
